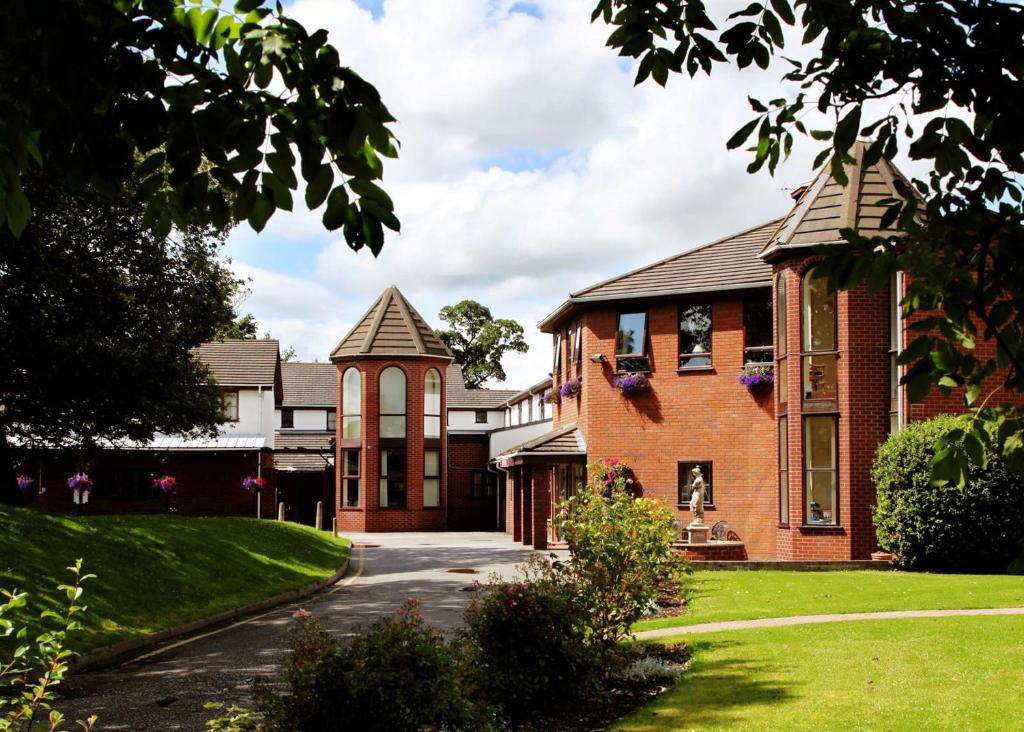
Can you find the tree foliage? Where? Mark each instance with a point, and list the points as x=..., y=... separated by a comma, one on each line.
x=97, y=316
x=479, y=340
x=946, y=75
x=216, y=98
x=242, y=327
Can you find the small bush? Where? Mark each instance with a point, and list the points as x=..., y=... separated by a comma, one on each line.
x=621, y=549
x=401, y=675
x=526, y=645
x=975, y=528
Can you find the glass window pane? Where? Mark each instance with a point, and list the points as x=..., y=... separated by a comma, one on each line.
x=894, y=313
x=350, y=492
x=694, y=361
x=821, y=497
x=351, y=426
x=392, y=391
x=820, y=443
x=351, y=391
x=351, y=464
x=780, y=379
x=632, y=328
x=686, y=479
x=431, y=426
x=784, y=470
x=558, y=354
x=392, y=426
x=695, y=329
x=757, y=322
x=819, y=326
x=819, y=378
x=780, y=313
x=432, y=392
x=431, y=492
x=577, y=348
x=332, y=419
x=431, y=463
x=392, y=462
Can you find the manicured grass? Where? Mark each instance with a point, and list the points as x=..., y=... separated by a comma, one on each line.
x=155, y=572
x=717, y=596
x=961, y=673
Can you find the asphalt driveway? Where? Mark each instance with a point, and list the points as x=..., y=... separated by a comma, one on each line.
x=165, y=689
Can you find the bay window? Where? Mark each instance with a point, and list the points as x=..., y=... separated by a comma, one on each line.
x=818, y=337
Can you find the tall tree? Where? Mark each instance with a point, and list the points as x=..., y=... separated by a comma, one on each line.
x=97, y=316
x=242, y=327
x=216, y=99
x=479, y=340
x=945, y=80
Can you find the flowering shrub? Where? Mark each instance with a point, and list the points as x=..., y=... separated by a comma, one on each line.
x=81, y=482
x=570, y=388
x=628, y=383
x=252, y=484
x=621, y=549
x=24, y=483
x=609, y=472
x=166, y=483
x=526, y=645
x=756, y=376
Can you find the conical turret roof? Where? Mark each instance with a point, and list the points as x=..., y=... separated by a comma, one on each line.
x=391, y=327
x=825, y=207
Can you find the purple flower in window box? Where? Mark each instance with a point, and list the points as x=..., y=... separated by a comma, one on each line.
x=80, y=482
x=757, y=376
x=24, y=483
x=570, y=388
x=630, y=383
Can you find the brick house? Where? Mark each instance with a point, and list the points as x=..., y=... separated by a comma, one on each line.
x=787, y=464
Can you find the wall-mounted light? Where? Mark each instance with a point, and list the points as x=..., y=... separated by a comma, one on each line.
x=597, y=358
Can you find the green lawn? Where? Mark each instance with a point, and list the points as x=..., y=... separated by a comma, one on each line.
x=154, y=572
x=961, y=673
x=717, y=596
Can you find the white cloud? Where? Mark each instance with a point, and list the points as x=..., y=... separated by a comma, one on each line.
x=639, y=173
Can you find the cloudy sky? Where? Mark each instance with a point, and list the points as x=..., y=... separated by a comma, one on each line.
x=530, y=167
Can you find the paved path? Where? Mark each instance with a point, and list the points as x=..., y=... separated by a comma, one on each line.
x=808, y=619
x=165, y=689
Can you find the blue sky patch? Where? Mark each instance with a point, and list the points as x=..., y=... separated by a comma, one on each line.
x=531, y=9
x=517, y=160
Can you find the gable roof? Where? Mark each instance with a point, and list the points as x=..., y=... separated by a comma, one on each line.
x=460, y=397
x=391, y=327
x=566, y=440
x=730, y=263
x=825, y=207
x=308, y=384
x=242, y=362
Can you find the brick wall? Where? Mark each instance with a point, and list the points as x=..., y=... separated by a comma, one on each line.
x=466, y=454
x=369, y=516
x=696, y=415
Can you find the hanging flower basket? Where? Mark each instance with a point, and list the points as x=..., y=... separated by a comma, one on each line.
x=570, y=388
x=165, y=483
x=550, y=397
x=80, y=482
x=253, y=485
x=631, y=383
x=757, y=377
x=24, y=483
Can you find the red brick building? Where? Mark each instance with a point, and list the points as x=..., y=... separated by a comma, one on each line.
x=787, y=462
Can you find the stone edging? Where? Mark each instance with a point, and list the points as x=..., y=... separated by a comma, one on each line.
x=106, y=655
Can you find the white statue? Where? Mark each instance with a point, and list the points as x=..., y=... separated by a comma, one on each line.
x=697, y=496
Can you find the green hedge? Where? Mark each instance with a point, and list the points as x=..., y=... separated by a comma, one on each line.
x=975, y=528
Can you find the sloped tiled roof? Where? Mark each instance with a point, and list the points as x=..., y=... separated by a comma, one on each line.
x=729, y=263
x=826, y=207
x=308, y=384
x=242, y=362
x=459, y=397
x=391, y=327
x=302, y=451
x=566, y=440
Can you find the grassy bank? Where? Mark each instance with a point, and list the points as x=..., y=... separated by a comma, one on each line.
x=154, y=572
x=715, y=596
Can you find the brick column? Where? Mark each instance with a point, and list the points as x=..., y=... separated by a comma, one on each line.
x=526, y=477
x=515, y=487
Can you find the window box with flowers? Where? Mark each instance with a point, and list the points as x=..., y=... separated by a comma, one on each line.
x=570, y=388
x=757, y=377
x=631, y=383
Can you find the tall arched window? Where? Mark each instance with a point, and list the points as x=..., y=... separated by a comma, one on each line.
x=432, y=404
x=818, y=337
x=392, y=402
x=351, y=404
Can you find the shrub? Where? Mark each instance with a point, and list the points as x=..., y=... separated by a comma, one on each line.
x=401, y=675
x=526, y=644
x=621, y=547
x=975, y=528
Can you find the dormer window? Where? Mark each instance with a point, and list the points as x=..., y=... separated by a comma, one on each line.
x=631, y=342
